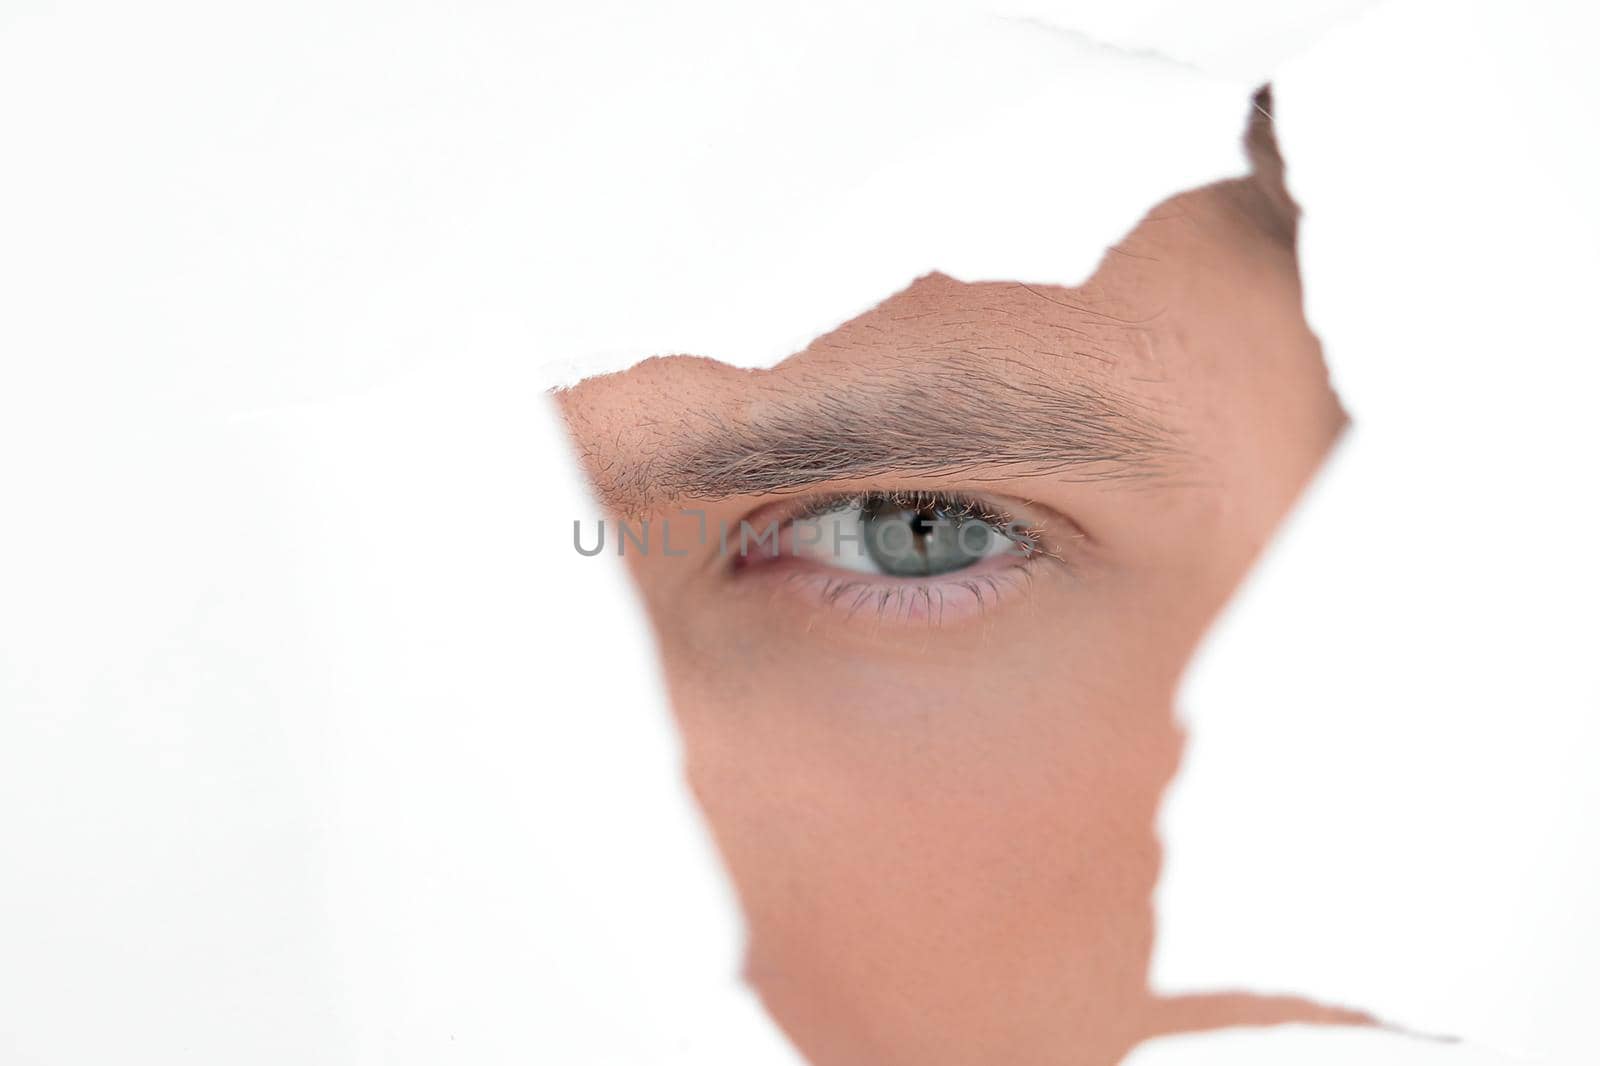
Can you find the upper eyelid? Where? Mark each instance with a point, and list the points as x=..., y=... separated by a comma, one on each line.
x=815, y=505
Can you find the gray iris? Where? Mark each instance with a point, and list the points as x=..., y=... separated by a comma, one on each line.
x=921, y=542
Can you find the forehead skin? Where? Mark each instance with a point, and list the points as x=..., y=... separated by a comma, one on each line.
x=943, y=838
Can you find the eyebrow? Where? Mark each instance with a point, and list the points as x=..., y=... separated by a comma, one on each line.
x=983, y=416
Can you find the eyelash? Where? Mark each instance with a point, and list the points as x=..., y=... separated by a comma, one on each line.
x=956, y=505
x=896, y=598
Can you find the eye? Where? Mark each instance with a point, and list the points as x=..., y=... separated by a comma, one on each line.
x=904, y=536
x=917, y=556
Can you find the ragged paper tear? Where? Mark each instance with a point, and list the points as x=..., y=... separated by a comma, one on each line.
x=1386, y=800
x=303, y=203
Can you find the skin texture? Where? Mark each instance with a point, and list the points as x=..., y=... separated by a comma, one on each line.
x=941, y=823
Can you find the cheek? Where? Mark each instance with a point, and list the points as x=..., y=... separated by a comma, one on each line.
x=943, y=828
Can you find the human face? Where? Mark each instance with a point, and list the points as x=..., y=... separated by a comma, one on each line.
x=935, y=787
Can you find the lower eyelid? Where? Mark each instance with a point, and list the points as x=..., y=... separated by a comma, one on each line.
x=944, y=599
